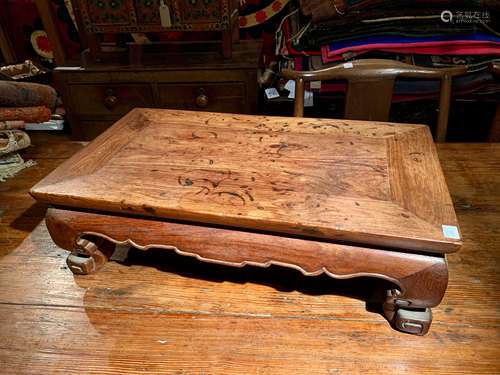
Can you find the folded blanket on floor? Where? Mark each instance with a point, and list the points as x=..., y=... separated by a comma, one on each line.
x=24, y=94
x=26, y=114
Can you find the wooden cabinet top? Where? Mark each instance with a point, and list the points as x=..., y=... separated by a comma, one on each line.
x=366, y=183
x=195, y=56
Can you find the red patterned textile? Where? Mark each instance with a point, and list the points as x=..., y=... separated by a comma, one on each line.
x=27, y=114
x=20, y=19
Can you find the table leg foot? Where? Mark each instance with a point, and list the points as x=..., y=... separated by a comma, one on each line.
x=86, y=258
x=416, y=321
x=88, y=253
x=408, y=308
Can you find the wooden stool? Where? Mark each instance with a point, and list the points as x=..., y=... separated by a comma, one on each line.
x=344, y=198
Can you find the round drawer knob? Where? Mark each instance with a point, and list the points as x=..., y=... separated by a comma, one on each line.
x=110, y=100
x=201, y=99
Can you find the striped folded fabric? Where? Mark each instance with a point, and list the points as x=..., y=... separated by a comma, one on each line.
x=473, y=44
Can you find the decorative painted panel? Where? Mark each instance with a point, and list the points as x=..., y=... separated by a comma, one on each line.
x=195, y=11
x=148, y=11
x=110, y=12
x=103, y=16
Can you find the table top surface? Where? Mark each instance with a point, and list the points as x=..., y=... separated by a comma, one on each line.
x=376, y=184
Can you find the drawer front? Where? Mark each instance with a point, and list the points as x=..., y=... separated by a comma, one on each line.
x=110, y=99
x=214, y=97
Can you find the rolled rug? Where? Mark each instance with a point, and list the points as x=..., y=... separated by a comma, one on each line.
x=13, y=140
x=26, y=114
x=25, y=94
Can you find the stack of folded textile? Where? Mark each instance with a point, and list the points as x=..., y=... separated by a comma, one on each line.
x=431, y=33
x=28, y=102
x=20, y=103
x=11, y=162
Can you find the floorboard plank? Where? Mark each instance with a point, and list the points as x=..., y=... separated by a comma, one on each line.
x=103, y=341
x=158, y=312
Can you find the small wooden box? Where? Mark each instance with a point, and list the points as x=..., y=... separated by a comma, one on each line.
x=345, y=198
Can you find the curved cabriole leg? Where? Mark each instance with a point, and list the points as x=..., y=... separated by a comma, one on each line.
x=87, y=256
x=419, y=280
x=408, y=308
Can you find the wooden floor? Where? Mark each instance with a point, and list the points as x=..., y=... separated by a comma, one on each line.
x=161, y=313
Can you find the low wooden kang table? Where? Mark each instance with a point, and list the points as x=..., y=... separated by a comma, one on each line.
x=344, y=198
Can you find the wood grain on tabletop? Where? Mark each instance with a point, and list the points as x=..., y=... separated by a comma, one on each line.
x=162, y=313
x=370, y=183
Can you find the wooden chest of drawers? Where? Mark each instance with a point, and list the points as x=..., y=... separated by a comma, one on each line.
x=98, y=95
